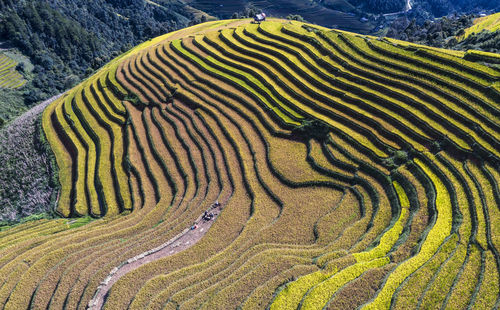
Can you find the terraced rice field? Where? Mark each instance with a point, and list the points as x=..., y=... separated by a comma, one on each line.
x=487, y=23
x=9, y=77
x=352, y=172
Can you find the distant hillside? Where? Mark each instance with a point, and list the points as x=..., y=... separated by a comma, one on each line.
x=429, y=9
x=459, y=32
x=332, y=13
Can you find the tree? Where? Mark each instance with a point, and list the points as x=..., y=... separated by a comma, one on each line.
x=295, y=17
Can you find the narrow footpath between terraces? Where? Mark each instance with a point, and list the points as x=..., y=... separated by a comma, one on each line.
x=181, y=242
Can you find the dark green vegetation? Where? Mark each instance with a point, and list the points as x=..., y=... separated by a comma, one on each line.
x=352, y=171
x=484, y=41
x=377, y=6
x=12, y=105
x=67, y=40
x=428, y=9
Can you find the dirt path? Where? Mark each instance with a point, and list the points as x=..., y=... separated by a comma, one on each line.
x=181, y=242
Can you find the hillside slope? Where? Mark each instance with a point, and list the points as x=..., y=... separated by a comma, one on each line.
x=484, y=35
x=489, y=23
x=351, y=171
x=27, y=179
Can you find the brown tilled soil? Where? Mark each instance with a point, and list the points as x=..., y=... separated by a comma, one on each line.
x=172, y=246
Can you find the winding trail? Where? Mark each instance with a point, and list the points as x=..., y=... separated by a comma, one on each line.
x=184, y=240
